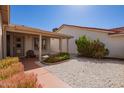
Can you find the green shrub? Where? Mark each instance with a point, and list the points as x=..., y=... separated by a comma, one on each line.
x=91, y=48
x=57, y=57
x=4, y=63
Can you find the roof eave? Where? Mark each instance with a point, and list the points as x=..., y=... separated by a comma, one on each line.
x=119, y=34
x=88, y=28
x=25, y=29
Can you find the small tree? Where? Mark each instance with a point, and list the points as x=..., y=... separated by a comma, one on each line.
x=83, y=46
x=98, y=49
x=91, y=48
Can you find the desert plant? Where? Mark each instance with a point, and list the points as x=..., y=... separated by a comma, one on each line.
x=91, y=48
x=11, y=70
x=4, y=63
x=21, y=80
x=12, y=75
x=98, y=49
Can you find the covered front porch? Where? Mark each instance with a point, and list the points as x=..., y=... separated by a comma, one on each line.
x=20, y=39
x=18, y=44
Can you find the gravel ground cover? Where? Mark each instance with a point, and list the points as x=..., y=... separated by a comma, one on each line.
x=90, y=73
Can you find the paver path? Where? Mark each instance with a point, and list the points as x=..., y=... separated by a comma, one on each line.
x=45, y=78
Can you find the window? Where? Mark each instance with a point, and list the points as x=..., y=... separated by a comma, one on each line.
x=18, y=45
x=18, y=39
x=44, y=44
x=36, y=43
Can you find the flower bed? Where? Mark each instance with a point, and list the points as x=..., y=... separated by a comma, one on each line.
x=12, y=75
x=57, y=58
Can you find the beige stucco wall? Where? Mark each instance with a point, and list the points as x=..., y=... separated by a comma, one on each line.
x=28, y=43
x=55, y=45
x=0, y=37
x=77, y=33
x=114, y=44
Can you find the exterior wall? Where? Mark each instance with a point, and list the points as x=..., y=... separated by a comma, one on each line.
x=0, y=37
x=77, y=33
x=47, y=50
x=114, y=44
x=28, y=43
x=55, y=45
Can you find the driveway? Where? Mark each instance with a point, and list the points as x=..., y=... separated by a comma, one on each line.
x=87, y=72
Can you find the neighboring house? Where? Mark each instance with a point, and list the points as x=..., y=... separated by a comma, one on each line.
x=112, y=38
x=16, y=40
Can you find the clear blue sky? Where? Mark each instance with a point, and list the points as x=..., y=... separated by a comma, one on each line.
x=49, y=17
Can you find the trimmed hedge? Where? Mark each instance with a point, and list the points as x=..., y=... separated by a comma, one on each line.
x=57, y=57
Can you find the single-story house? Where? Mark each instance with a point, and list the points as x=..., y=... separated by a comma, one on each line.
x=112, y=38
x=16, y=40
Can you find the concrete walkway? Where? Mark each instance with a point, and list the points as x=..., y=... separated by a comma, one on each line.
x=45, y=78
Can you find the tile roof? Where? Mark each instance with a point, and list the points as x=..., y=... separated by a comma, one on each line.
x=87, y=27
x=119, y=30
x=25, y=29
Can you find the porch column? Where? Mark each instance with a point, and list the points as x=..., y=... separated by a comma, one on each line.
x=60, y=45
x=49, y=48
x=1, y=47
x=4, y=44
x=67, y=45
x=40, y=47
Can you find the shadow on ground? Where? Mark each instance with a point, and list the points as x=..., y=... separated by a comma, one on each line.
x=100, y=61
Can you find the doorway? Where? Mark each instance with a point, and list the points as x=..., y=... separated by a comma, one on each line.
x=18, y=45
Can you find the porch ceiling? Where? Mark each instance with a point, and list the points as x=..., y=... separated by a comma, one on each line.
x=29, y=30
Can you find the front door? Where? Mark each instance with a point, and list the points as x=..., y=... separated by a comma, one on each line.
x=18, y=48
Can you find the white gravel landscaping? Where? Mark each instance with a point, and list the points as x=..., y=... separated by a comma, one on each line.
x=87, y=72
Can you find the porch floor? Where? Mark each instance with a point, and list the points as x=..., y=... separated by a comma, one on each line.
x=29, y=63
